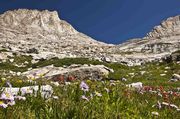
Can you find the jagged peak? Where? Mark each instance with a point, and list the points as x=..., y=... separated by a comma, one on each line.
x=42, y=20
x=31, y=11
x=168, y=27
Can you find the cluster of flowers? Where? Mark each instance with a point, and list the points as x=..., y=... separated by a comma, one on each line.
x=85, y=88
x=7, y=99
x=162, y=93
x=165, y=104
x=9, y=96
x=159, y=91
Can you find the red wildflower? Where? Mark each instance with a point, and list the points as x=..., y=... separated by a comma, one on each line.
x=60, y=78
x=161, y=88
x=71, y=78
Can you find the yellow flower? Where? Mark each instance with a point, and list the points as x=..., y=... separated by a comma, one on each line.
x=19, y=81
x=1, y=102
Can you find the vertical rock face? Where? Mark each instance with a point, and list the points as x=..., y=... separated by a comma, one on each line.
x=30, y=21
x=168, y=28
x=166, y=36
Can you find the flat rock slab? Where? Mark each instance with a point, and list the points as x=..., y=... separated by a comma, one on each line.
x=80, y=72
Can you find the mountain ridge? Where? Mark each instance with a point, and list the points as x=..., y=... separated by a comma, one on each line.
x=23, y=30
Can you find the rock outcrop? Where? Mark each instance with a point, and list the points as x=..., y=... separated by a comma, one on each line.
x=160, y=43
x=43, y=33
x=80, y=72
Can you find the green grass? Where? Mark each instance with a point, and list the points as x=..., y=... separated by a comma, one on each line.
x=119, y=103
x=113, y=105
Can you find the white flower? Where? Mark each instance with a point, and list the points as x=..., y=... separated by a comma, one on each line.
x=112, y=84
x=7, y=96
x=9, y=84
x=155, y=113
x=2, y=104
x=26, y=90
x=67, y=83
x=11, y=103
x=3, y=79
x=107, y=90
x=55, y=97
x=98, y=94
x=137, y=85
x=55, y=83
x=20, y=97
x=84, y=97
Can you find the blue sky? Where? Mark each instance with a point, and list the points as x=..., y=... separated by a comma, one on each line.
x=111, y=21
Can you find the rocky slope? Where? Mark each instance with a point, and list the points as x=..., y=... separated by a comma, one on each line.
x=161, y=42
x=42, y=34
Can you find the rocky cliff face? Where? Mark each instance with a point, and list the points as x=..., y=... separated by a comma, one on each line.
x=161, y=42
x=44, y=32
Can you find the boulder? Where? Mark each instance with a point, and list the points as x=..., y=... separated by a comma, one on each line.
x=81, y=72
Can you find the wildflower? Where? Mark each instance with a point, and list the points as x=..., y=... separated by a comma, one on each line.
x=3, y=79
x=11, y=103
x=60, y=78
x=67, y=83
x=84, y=97
x=19, y=81
x=71, y=78
x=137, y=85
x=159, y=94
x=173, y=106
x=161, y=88
x=7, y=96
x=9, y=84
x=103, y=82
x=20, y=97
x=146, y=101
x=107, y=90
x=98, y=94
x=55, y=97
x=26, y=90
x=84, y=86
x=147, y=88
x=124, y=79
x=91, y=95
x=155, y=113
x=159, y=105
x=2, y=104
x=112, y=84
x=55, y=83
